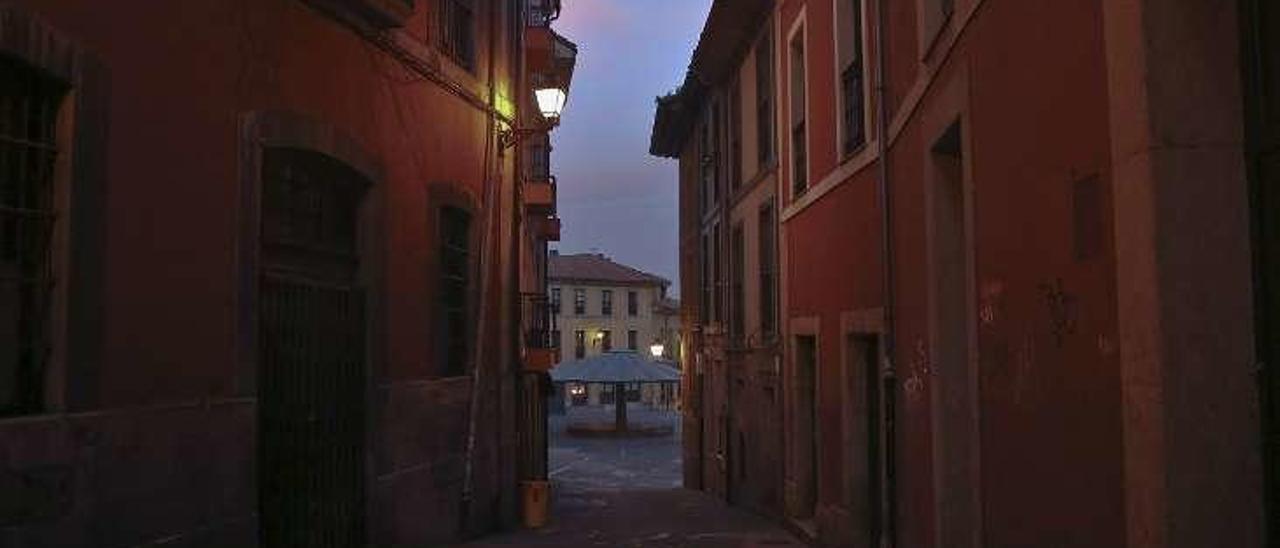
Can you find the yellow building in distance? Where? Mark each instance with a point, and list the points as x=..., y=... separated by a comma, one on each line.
x=600, y=305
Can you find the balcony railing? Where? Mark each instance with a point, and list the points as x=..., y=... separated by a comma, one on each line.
x=536, y=320
x=543, y=12
x=541, y=353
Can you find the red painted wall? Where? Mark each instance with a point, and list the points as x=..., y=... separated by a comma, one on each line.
x=182, y=75
x=1035, y=104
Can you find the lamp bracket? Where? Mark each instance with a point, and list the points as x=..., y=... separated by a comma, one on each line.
x=510, y=137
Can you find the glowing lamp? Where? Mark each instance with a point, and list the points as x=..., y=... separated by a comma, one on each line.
x=550, y=102
x=656, y=349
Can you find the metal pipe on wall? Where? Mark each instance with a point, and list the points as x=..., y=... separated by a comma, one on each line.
x=888, y=498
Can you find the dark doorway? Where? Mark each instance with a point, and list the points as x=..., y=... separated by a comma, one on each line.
x=1262, y=78
x=311, y=365
x=864, y=486
x=806, y=421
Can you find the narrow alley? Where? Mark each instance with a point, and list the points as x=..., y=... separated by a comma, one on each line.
x=626, y=492
x=639, y=273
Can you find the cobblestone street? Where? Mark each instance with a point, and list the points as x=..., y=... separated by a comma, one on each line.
x=626, y=492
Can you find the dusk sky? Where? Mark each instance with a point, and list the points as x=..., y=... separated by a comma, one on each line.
x=613, y=197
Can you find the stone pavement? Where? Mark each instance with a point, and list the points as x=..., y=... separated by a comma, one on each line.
x=625, y=493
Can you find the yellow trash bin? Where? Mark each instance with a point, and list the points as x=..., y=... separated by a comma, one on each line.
x=536, y=494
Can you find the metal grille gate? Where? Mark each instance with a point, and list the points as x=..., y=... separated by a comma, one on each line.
x=312, y=400
x=29, y=105
x=313, y=421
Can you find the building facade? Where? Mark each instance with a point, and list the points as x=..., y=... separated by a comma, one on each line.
x=599, y=305
x=259, y=262
x=1010, y=259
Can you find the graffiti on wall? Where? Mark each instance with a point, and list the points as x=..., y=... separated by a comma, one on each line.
x=1061, y=308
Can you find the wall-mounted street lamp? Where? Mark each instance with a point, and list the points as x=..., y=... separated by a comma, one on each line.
x=657, y=349
x=551, y=102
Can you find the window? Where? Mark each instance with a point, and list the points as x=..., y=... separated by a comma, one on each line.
x=29, y=106
x=705, y=305
x=717, y=277
x=538, y=158
x=633, y=303
x=606, y=340
x=768, y=279
x=737, y=252
x=632, y=342
x=455, y=283
x=799, y=148
x=764, y=99
x=735, y=135
x=714, y=147
x=555, y=338
x=852, y=77
x=579, y=344
x=710, y=160
x=555, y=301
x=606, y=302
x=579, y=302
x=457, y=31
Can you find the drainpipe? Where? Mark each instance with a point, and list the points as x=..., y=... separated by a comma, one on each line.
x=888, y=497
x=491, y=199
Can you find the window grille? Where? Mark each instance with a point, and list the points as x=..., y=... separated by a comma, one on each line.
x=606, y=302
x=457, y=31
x=555, y=301
x=539, y=162
x=633, y=303
x=537, y=322
x=852, y=78
x=579, y=302
x=854, y=111
x=455, y=286
x=29, y=104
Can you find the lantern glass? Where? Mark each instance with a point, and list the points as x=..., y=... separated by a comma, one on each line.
x=657, y=349
x=550, y=102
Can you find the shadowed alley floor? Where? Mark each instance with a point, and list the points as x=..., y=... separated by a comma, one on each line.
x=625, y=492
